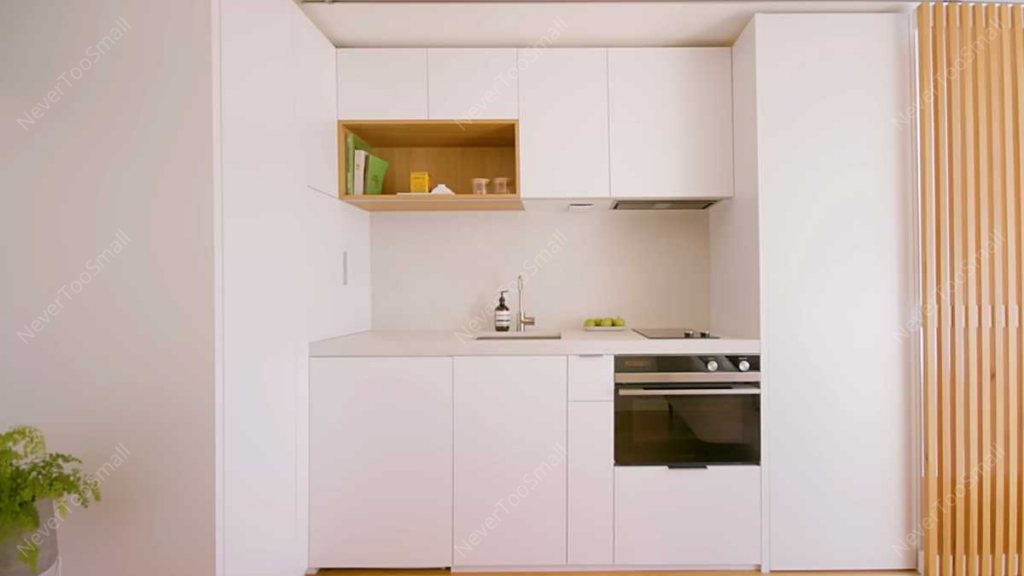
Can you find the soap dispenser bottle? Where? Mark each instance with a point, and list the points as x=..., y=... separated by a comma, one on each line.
x=502, y=315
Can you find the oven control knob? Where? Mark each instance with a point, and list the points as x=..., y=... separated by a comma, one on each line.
x=712, y=365
x=744, y=366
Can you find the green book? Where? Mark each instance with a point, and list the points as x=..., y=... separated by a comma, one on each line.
x=376, y=169
x=352, y=143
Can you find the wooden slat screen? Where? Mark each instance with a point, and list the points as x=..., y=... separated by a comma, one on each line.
x=971, y=80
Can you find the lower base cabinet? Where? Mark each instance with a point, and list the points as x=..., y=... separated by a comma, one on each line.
x=380, y=462
x=484, y=462
x=591, y=482
x=510, y=461
x=701, y=517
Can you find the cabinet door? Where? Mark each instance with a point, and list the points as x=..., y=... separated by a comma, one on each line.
x=688, y=516
x=316, y=105
x=473, y=84
x=380, y=462
x=591, y=482
x=382, y=84
x=510, y=468
x=670, y=122
x=854, y=245
x=563, y=123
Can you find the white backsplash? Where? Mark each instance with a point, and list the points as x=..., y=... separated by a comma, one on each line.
x=444, y=270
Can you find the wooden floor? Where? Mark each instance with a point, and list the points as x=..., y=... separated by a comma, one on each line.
x=624, y=573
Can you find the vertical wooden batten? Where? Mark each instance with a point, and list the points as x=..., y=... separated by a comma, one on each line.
x=1016, y=20
x=929, y=285
x=1012, y=183
x=970, y=329
x=971, y=63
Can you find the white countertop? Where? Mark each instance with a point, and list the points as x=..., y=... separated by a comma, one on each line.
x=573, y=342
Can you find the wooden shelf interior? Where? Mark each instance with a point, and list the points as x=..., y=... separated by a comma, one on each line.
x=451, y=153
x=453, y=167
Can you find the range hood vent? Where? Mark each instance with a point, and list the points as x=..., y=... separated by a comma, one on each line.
x=662, y=204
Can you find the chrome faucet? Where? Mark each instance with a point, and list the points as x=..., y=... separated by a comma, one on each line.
x=522, y=320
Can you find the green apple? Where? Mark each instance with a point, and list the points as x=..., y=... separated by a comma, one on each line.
x=607, y=323
x=619, y=322
x=590, y=323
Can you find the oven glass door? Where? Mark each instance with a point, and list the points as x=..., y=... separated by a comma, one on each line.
x=687, y=426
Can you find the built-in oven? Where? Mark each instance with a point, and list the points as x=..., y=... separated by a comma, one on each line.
x=687, y=411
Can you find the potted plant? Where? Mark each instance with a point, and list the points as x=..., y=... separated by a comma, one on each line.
x=36, y=489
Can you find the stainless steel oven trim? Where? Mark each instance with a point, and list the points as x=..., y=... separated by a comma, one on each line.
x=685, y=377
x=691, y=392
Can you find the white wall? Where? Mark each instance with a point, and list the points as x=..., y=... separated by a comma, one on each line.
x=283, y=251
x=442, y=270
x=130, y=358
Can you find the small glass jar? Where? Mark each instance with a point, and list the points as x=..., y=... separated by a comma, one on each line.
x=502, y=186
x=480, y=185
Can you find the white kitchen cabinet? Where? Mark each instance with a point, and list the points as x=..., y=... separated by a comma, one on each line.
x=563, y=123
x=380, y=465
x=709, y=517
x=510, y=461
x=591, y=378
x=833, y=211
x=316, y=104
x=336, y=235
x=382, y=84
x=670, y=122
x=591, y=482
x=468, y=84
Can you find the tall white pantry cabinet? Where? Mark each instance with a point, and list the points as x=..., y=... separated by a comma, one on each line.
x=815, y=256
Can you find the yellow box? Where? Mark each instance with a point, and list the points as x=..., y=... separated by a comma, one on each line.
x=419, y=182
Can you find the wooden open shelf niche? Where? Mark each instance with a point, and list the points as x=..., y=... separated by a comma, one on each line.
x=451, y=152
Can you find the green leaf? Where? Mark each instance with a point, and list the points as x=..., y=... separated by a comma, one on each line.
x=29, y=474
x=30, y=556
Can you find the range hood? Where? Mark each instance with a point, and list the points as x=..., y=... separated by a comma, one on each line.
x=662, y=204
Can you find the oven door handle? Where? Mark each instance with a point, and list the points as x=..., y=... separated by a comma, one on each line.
x=686, y=377
x=689, y=392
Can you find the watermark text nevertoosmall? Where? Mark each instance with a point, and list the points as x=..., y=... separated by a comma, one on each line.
x=556, y=242
x=93, y=267
x=31, y=544
x=508, y=78
x=530, y=481
x=93, y=53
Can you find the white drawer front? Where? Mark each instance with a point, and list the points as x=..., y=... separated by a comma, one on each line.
x=688, y=516
x=591, y=378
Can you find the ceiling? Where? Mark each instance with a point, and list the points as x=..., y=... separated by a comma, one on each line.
x=501, y=23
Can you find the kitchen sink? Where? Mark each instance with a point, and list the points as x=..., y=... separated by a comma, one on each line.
x=520, y=336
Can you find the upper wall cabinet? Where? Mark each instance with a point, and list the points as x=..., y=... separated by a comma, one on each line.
x=315, y=104
x=382, y=84
x=563, y=123
x=670, y=122
x=473, y=84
